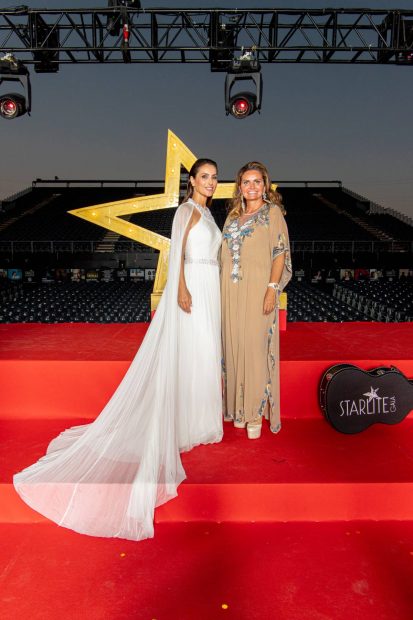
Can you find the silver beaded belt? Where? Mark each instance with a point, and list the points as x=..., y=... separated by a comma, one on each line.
x=201, y=261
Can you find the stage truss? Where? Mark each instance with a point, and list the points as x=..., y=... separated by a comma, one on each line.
x=214, y=36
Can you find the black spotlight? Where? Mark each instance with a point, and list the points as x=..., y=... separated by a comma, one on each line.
x=242, y=105
x=245, y=103
x=12, y=105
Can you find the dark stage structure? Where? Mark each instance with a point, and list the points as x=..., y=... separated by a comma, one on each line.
x=47, y=38
x=233, y=41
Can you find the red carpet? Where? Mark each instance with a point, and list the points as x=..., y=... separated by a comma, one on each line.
x=307, y=472
x=330, y=571
x=309, y=524
x=301, y=341
x=71, y=370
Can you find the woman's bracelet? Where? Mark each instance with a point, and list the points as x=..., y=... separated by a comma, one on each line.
x=274, y=285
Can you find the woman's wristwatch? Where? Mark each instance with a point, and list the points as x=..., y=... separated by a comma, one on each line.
x=274, y=285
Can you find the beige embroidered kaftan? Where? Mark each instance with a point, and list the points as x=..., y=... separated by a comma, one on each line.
x=250, y=338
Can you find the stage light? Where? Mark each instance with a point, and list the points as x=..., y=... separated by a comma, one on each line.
x=243, y=104
x=12, y=105
x=8, y=107
x=405, y=58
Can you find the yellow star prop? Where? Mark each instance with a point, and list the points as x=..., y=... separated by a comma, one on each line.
x=109, y=215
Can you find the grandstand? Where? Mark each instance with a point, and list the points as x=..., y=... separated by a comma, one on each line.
x=379, y=300
x=348, y=254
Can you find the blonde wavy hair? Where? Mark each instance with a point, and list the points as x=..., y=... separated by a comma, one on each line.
x=235, y=207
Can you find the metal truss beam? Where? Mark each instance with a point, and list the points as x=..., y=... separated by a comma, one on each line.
x=211, y=36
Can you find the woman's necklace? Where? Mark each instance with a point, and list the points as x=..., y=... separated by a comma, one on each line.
x=255, y=210
x=244, y=217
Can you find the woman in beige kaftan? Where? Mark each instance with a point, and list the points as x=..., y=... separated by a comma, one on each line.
x=255, y=267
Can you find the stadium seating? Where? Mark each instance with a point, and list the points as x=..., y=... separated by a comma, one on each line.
x=46, y=218
x=73, y=302
x=394, y=227
x=313, y=213
x=312, y=304
x=330, y=229
x=310, y=217
x=379, y=300
x=8, y=290
x=128, y=302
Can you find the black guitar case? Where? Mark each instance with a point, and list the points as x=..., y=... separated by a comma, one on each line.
x=353, y=399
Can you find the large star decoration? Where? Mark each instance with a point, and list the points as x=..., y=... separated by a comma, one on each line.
x=109, y=215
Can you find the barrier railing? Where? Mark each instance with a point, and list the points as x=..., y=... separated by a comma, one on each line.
x=7, y=203
x=71, y=247
x=124, y=246
x=375, y=207
x=352, y=247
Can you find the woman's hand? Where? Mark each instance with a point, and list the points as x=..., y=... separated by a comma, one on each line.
x=270, y=300
x=184, y=298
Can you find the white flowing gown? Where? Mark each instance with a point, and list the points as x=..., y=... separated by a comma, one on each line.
x=106, y=478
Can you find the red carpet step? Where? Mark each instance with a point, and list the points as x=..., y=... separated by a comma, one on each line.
x=308, y=472
x=209, y=571
x=71, y=370
x=308, y=524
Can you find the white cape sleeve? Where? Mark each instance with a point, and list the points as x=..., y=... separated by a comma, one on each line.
x=107, y=477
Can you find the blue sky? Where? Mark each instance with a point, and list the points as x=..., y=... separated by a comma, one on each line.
x=324, y=122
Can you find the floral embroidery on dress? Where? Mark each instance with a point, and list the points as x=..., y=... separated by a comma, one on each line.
x=267, y=393
x=270, y=332
x=227, y=416
x=234, y=234
x=282, y=246
x=276, y=429
x=240, y=415
x=271, y=361
x=268, y=398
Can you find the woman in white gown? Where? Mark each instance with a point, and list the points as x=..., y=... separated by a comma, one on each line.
x=107, y=477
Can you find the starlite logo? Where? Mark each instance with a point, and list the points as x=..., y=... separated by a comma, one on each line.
x=372, y=404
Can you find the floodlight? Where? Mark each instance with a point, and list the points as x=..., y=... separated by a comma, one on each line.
x=243, y=104
x=13, y=105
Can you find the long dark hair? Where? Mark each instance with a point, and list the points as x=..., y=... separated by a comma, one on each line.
x=193, y=172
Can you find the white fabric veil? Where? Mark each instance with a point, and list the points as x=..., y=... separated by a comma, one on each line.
x=105, y=478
